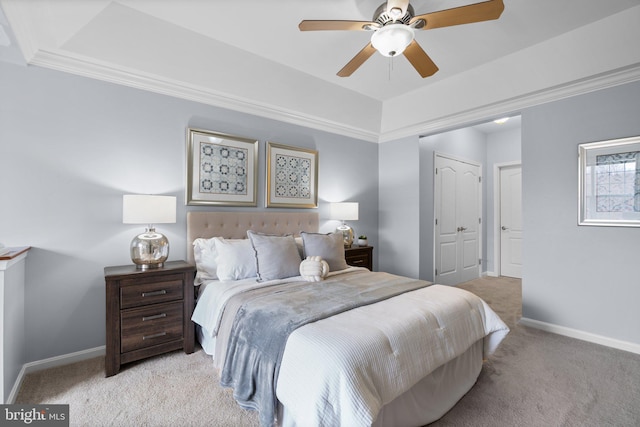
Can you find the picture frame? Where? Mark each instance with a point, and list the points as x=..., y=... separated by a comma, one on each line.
x=222, y=169
x=292, y=177
x=609, y=183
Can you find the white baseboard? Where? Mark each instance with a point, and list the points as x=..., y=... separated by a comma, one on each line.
x=52, y=362
x=581, y=335
x=491, y=274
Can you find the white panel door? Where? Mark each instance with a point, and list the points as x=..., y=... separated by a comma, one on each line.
x=469, y=218
x=511, y=221
x=457, y=210
x=446, y=253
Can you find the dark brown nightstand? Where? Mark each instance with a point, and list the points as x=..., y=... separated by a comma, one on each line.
x=359, y=256
x=148, y=312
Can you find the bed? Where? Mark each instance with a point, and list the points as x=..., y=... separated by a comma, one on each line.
x=402, y=355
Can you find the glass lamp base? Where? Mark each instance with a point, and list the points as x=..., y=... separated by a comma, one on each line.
x=149, y=249
x=347, y=234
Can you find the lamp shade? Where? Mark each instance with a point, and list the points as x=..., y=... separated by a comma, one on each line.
x=148, y=209
x=344, y=211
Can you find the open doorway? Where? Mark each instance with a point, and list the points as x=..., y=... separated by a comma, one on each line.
x=502, y=151
x=487, y=145
x=504, y=197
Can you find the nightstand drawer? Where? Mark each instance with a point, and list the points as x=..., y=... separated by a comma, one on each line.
x=144, y=327
x=169, y=289
x=359, y=260
x=359, y=256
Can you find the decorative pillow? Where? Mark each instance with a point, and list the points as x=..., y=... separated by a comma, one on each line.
x=330, y=247
x=236, y=259
x=206, y=257
x=277, y=257
x=314, y=269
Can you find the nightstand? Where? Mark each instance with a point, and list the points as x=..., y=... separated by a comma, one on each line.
x=359, y=256
x=148, y=312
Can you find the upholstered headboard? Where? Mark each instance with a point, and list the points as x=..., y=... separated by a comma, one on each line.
x=234, y=225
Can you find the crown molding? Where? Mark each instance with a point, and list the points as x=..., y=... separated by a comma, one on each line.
x=76, y=64
x=517, y=104
x=86, y=67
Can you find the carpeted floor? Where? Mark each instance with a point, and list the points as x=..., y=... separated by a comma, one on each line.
x=534, y=379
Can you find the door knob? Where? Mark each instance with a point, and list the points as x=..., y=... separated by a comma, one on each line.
x=462, y=228
x=504, y=228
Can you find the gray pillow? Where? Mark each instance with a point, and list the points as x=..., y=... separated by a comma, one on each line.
x=330, y=247
x=277, y=257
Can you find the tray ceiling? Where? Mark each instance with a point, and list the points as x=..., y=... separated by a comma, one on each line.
x=251, y=57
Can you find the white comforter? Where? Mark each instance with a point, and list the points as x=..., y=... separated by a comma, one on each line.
x=343, y=369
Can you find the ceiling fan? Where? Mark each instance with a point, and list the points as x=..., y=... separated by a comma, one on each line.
x=393, y=26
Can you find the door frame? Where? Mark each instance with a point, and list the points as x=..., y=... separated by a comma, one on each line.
x=497, y=200
x=481, y=236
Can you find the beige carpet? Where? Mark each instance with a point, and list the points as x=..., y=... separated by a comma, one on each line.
x=534, y=379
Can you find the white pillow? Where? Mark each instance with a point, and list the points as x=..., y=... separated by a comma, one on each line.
x=206, y=257
x=236, y=259
x=329, y=247
x=277, y=257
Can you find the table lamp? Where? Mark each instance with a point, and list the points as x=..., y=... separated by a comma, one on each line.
x=345, y=211
x=149, y=249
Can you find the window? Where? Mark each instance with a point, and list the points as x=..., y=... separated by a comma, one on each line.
x=609, y=183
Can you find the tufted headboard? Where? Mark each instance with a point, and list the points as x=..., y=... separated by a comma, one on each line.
x=234, y=225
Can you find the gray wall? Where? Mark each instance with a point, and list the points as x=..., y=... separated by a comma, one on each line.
x=70, y=147
x=399, y=249
x=586, y=278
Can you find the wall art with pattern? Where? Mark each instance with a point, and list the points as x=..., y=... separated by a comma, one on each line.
x=292, y=177
x=609, y=183
x=221, y=169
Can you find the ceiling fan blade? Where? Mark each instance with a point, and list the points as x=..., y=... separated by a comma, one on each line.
x=477, y=12
x=423, y=64
x=399, y=5
x=357, y=61
x=311, y=25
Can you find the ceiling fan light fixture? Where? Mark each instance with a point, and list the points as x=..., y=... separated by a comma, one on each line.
x=392, y=39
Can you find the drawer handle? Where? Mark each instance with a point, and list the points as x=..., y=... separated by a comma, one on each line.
x=154, y=293
x=155, y=316
x=358, y=261
x=148, y=337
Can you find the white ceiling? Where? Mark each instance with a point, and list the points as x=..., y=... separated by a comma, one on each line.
x=249, y=55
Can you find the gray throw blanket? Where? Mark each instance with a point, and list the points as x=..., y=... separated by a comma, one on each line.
x=264, y=322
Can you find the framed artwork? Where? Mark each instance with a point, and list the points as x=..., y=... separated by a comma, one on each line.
x=609, y=183
x=221, y=169
x=292, y=177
